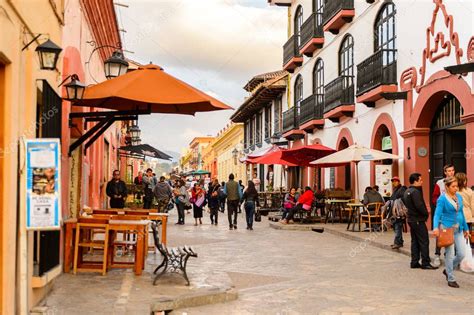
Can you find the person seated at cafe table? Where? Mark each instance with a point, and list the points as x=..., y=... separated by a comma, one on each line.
x=371, y=196
x=304, y=203
x=117, y=191
x=291, y=198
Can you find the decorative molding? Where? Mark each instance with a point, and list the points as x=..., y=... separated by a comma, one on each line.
x=415, y=132
x=470, y=50
x=408, y=79
x=442, y=46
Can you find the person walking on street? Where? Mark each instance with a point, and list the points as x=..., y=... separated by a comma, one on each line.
x=117, y=191
x=198, y=195
x=439, y=189
x=398, y=192
x=449, y=214
x=250, y=198
x=243, y=189
x=163, y=194
x=234, y=193
x=181, y=199
x=213, y=200
x=417, y=216
x=222, y=197
x=149, y=182
x=467, y=199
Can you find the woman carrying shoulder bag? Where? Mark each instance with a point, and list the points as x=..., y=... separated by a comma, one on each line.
x=250, y=198
x=449, y=219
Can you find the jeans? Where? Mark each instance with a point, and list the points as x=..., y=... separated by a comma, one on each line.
x=286, y=211
x=214, y=215
x=420, y=243
x=293, y=210
x=232, y=210
x=180, y=207
x=398, y=228
x=222, y=204
x=249, y=212
x=453, y=261
x=148, y=199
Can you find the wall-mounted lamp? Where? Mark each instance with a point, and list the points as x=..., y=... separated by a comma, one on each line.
x=48, y=53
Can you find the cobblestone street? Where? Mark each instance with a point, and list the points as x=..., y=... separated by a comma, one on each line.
x=275, y=272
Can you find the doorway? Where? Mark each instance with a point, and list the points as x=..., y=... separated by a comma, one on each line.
x=447, y=139
x=345, y=171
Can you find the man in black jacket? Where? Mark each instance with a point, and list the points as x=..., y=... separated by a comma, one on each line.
x=398, y=192
x=117, y=191
x=417, y=216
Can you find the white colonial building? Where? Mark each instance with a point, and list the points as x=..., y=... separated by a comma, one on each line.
x=390, y=75
x=262, y=116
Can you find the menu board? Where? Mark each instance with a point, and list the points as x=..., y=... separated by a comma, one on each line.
x=43, y=184
x=383, y=175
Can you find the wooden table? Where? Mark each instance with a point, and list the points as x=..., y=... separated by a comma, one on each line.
x=354, y=207
x=333, y=205
x=138, y=226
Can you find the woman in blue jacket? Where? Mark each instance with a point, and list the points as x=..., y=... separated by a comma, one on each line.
x=449, y=213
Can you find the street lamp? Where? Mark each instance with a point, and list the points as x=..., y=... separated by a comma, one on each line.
x=135, y=135
x=115, y=65
x=74, y=89
x=48, y=53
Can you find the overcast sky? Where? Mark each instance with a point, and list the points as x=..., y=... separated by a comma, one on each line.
x=214, y=45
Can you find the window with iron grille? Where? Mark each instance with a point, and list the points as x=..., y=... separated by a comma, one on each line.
x=318, y=77
x=298, y=93
x=385, y=35
x=318, y=7
x=346, y=57
x=268, y=122
x=298, y=24
x=278, y=116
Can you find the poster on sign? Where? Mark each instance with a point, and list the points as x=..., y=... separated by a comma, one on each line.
x=383, y=175
x=43, y=184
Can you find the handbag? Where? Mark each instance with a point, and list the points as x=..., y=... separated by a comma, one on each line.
x=258, y=216
x=446, y=237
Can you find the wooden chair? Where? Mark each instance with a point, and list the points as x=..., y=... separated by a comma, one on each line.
x=84, y=239
x=346, y=211
x=370, y=218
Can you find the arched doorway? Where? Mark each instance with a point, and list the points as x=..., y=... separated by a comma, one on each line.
x=343, y=172
x=447, y=138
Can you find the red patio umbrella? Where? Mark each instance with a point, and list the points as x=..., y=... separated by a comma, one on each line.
x=302, y=156
x=273, y=156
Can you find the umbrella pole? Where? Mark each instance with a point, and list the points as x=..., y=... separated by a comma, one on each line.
x=356, y=193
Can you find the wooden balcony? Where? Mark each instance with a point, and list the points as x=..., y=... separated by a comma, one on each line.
x=377, y=75
x=311, y=113
x=291, y=124
x=339, y=98
x=292, y=58
x=336, y=14
x=312, y=35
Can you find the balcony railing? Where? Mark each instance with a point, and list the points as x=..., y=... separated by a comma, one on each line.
x=338, y=92
x=331, y=8
x=378, y=69
x=312, y=108
x=311, y=29
x=291, y=49
x=290, y=119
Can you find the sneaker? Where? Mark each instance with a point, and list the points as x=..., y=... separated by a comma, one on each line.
x=396, y=246
x=437, y=261
x=453, y=284
x=235, y=227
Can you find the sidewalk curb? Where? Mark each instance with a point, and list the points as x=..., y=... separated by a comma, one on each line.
x=199, y=298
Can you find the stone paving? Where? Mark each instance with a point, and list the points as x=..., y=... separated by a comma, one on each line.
x=274, y=272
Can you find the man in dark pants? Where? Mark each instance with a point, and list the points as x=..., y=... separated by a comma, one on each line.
x=233, y=192
x=117, y=191
x=398, y=192
x=149, y=182
x=417, y=216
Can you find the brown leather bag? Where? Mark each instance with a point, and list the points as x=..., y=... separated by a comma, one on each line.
x=446, y=237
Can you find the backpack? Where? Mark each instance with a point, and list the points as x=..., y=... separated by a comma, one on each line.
x=399, y=210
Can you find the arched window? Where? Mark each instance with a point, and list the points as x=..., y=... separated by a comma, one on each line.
x=346, y=57
x=298, y=24
x=385, y=33
x=318, y=77
x=318, y=6
x=298, y=92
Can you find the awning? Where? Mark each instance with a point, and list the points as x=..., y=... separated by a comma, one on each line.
x=142, y=150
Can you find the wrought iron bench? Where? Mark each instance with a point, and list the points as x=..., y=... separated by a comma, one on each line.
x=174, y=259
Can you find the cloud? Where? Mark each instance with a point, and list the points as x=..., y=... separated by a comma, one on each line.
x=214, y=45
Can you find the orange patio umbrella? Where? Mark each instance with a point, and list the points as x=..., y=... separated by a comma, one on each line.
x=149, y=88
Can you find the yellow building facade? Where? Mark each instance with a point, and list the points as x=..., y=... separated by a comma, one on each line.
x=228, y=148
x=20, y=77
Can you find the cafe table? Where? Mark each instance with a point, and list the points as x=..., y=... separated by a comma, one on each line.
x=137, y=226
x=356, y=209
x=333, y=205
